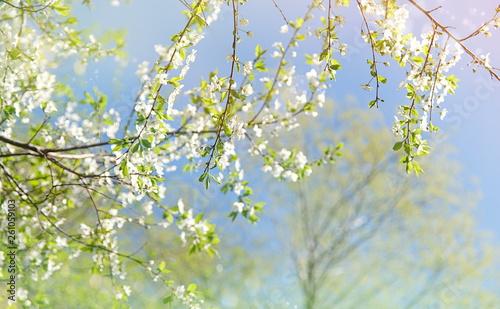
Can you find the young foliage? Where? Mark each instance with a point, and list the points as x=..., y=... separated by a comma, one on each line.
x=67, y=151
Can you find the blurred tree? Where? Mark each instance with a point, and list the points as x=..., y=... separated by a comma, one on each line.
x=218, y=279
x=83, y=182
x=360, y=233
x=364, y=235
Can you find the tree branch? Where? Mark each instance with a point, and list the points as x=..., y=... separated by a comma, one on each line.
x=445, y=30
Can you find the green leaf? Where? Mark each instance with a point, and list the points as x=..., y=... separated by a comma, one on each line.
x=117, y=147
x=161, y=102
x=135, y=148
x=174, y=83
x=299, y=22
x=192, y=249
x=124, y=168
x=207, y=182
x=191, y=287
x=417, y=59
x=203, y=176
x=210, y=110
x=258, y=50
x=167, y=117
x=425, y=49
x=156, y=86
x=323, y=77
x=14, y=53
x=334, y=65
x=223, y=96
x=397, y=146
x=168, y=300
x=301, y=37
x=259, y=65
x=205, y=150
x=169, y=217
x=409, y=167
x=199, y=216
x=72, y=20
x=182, y=53
x=259, y=205
x=62, y=10
x=158, y=178
x=235, y=94
x=146, y=143
x=407, y=148
x=200, y=20
x=227, y=131
x=89, y=97
x=218, y=182
x=417, y=168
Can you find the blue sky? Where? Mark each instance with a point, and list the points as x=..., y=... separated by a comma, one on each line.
x=471, y=125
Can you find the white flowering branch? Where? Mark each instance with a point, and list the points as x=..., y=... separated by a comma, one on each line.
x=475, y=58
x=374, y=60
x=269, y=94
x=412, y=105
x=67, y=162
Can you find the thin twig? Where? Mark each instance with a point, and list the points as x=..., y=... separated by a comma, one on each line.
x=435, y=82
x=408, y=131
x=224, y=114
x=164, y=71
x=39, y=128
x=269, y=93
x=275, y=4
x=372, y=43
x=467, y=50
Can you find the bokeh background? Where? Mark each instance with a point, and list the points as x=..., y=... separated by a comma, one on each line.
x=257, y=268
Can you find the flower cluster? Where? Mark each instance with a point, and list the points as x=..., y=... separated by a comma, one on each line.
x=68, y=153
x=427, y=58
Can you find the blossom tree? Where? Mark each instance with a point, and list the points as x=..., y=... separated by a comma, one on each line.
x=63, y=155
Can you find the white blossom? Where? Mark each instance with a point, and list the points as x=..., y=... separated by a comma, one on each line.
x=247, y=68
x=443, y=113
x=238, y=206
x=243, y=22
x=247, y=90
